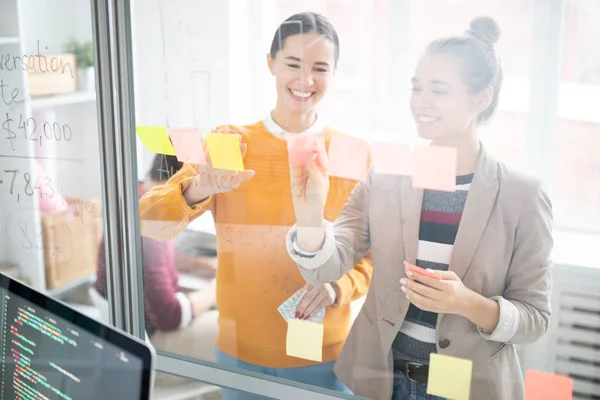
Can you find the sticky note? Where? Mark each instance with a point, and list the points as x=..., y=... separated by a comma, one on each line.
x=348, y=157
x=435, y=168
x=301, y=147
x=449, y=377
x=392, y=158
x=155, y=139
x=546, y=386
x=304, y=340
x=188, y=145
x=225, y=152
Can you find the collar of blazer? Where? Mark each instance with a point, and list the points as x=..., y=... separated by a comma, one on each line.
x=479, y=205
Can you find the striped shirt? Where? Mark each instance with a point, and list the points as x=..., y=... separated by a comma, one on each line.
x=440, y=217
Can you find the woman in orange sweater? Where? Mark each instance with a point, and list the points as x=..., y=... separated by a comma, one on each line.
x=253, y=211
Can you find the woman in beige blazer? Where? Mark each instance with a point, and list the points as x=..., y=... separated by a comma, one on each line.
x=490, y=241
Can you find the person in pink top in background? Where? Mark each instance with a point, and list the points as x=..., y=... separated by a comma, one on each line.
x=178, y=321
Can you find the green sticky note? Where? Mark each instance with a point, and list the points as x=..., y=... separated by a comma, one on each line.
x=155, y=139
x=449, y=377
x=225, y=151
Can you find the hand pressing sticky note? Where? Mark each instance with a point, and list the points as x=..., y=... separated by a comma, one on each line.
x=225, y=151
x=546, y=386
x=449, y=377
x=188, y=146
x=392, y=159
x=155, y=139
x=304, y=340
x=302, y=147
x=435, y=168
x=348, y=157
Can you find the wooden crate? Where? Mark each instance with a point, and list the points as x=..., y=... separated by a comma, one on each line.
x=71, y=240
x=50, y=74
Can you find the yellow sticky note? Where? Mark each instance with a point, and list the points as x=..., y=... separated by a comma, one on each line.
x=155, y=139
x=225, y=152
x=304, y=340
x=449, y=377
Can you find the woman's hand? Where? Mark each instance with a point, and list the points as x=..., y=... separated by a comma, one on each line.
x=315, y=299
x=309, y=179
x=211, y=180
x=445, y=296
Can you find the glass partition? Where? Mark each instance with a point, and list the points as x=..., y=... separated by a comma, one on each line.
x=49, y=156
x=225, y=302
x=203, y=70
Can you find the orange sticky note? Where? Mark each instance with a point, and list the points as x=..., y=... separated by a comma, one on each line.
x=348, y=157
x=155, y=139
x=225, y=151
x=188, y=145
x=435, y=168
x=304, y=340
x=546, y=386
x=392, y=158
x=449, y=377
x=301, y=147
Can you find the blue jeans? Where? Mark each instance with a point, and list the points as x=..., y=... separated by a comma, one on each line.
x=321, y=375
x=404, y=389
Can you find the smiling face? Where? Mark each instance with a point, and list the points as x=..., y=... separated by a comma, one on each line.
x=303, y=70
x=441, y=103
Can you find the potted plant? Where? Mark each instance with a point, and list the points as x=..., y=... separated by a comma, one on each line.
x=84, y=55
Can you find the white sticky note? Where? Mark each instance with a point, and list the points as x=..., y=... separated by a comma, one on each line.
x=304, y=340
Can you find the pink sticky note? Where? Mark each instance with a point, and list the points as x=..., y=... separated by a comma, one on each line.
x=546, y=386
x=188, y=145
x=348, y=157
x=435, y=168
x=301, y=147
x=392, y=158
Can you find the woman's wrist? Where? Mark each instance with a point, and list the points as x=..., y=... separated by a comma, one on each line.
x=481, y=311
x=195, y=193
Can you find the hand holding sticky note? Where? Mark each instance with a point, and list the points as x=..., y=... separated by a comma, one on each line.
x=304, y=340
x=303, y=147
x=155, y=139
x=225, y=151
x=413, y=268
x=546, y=386
x=449, y=377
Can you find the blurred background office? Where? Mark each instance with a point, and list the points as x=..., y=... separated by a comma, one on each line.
x=198, y=64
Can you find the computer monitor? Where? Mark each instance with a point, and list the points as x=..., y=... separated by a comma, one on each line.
x=50, y=351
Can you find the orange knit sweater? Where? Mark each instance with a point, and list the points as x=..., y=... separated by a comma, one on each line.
x=255, y=274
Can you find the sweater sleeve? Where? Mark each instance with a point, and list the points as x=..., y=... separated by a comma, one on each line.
x=164, y=211
x=355, y=283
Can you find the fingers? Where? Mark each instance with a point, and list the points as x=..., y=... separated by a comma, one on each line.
x=426, y=280
x=236, y=179
x=321, y=159
x=315, y=169
x=313, y=301
x=420, y=301
x=305, y=303
x=421, y=289
x=233, y=130
x=448, y=276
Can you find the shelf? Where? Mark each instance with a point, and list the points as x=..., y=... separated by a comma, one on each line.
x=9, y=40
x=63, y=291
x=63, y=99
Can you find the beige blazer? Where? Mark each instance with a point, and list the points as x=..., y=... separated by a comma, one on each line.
x=502, y=248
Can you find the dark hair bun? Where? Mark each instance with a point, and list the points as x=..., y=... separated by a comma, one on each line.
x=485, y=29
